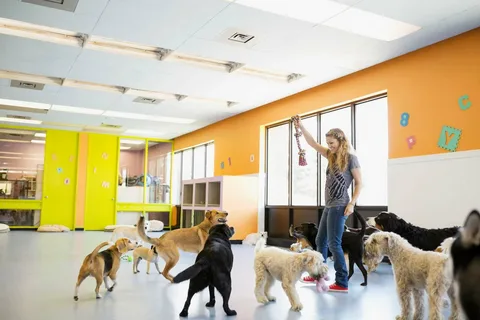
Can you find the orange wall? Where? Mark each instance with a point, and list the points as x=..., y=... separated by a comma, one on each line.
x=426, y=83
x=81, y=179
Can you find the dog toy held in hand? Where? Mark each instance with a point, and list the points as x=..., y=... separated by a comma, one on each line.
x=321, y=285
x=302, y=161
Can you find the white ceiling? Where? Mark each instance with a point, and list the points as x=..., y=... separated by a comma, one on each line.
x=281, y=44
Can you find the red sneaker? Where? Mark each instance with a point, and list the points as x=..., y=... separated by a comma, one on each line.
x=336, y=288
x=307, y=279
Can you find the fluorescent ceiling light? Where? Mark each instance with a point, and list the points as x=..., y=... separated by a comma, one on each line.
x=15, y=131
x=38, y=141
x=138, y=116
x=149, y=94
x=76, y=110
x=124, y=47
x=5, y=152
x=92, y=86
x=16, y=120
x=145, y=132
x=40, y=134
x=3, y=157
x=4, y=74
x=25, y=104
x=37, y=32
x=371, y=25
x=14, y=141
x=313, y=11
x=124, y=148
x=136, y=142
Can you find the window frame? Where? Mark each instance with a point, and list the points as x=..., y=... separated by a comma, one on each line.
x=352, y=105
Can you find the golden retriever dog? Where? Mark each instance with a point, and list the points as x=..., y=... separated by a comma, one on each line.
x=186, y=239
x=101, y=265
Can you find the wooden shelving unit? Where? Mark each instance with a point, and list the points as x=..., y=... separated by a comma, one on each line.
x=238, y=195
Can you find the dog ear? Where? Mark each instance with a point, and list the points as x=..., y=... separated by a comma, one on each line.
x=471, y=229
x=122, y=244
x=307, y=258
x=208, y=214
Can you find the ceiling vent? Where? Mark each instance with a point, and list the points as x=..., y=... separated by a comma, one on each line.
x=26, y=85
x=147, y=100
x=240, y=37
x=18, y=117
x=67, y=5
x=113, y=126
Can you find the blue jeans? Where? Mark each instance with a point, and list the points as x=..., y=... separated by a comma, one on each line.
x=330, y=232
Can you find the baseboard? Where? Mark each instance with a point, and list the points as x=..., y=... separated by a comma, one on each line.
x=23, y=229
x=79, y=229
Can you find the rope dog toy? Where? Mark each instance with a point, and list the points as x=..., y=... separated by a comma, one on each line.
x=302, y=161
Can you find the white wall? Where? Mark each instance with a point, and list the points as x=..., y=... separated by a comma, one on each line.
x=435, y=191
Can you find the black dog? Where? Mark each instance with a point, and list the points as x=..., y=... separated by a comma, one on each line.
x=352, y=243
x=212, y=269
x=422, y=238
x=465, y=254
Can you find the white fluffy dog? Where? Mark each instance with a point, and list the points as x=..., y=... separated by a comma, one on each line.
x=286, y=266
x=128, y=232
x=252, y=238
x=445, y=246
x=416, y=271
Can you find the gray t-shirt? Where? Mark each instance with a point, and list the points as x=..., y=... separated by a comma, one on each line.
x=337, y=184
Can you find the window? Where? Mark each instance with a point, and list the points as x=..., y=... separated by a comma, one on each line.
x=210, y=160
x=192, y=163
x=289, y=184
x=342, y=119
x=277, y=164
x=199, y=162
x=177, y=177
x=372, y=150
x=304, y=178
x=187, y=164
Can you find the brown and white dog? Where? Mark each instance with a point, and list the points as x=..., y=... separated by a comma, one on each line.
x=186, y=239
x=101, y=265
x=147, y=254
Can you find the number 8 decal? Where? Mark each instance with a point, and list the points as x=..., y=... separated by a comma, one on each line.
x=404, y=119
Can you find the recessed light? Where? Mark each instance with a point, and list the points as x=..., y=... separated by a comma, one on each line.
x=16, y=120
x=76, y=110
x=40, y=134
x=136, y=142
x=38, y=141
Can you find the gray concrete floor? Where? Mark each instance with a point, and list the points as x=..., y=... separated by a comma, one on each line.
x=39, y=271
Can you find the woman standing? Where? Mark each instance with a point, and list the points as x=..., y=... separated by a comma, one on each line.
x=343, y=168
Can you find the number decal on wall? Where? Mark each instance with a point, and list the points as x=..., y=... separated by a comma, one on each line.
x=404, y=119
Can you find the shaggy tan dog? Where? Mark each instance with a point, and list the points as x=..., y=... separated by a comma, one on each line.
x=286, y=266
x=416, y=272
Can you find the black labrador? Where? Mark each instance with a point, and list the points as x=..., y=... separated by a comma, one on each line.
x=212, y=269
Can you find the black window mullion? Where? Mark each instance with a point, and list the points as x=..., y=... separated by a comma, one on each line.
x=319, y=160
x=266, y=168
x=290, y=171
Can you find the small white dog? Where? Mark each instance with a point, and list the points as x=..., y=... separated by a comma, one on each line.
x=445, y=245
x=252, y=238
x=416, y=271
x=128, y=232
x=286, y=266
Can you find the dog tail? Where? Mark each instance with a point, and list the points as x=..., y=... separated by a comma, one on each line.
x=363, y=222
x=190, y=272
x=142, y=234
x=261, y=243
x=95, y=251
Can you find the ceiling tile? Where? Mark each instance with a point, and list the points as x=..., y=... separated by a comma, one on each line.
x=36, y=57
x=163, y=23
x=82, y=20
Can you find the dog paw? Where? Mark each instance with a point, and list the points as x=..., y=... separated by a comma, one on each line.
x=110, y=289
x=297, y=307
x=271, y=298
x=363, y=284
x=231, y=313
x=262, y=300
x=75, y=298
x=99, y=296
x=400, y=318
x=184, y=314
x=210, y=304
